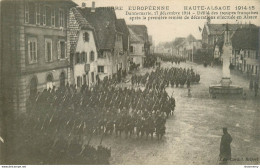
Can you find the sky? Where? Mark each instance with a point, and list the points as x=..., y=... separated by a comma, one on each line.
x=168, y=30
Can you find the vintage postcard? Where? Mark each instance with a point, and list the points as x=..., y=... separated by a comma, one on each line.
x=129, y=82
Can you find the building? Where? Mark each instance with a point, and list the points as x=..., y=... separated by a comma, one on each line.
x=122, y=27
x=83, y=50
x=35, y=48
x=210, y=35
x=141, y=31
x=34, y=56
x=245, y=50
x=112, y=57
x=137, y=50
x=152, y=44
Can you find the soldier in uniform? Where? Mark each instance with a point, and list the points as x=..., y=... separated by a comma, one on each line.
x=225, y=149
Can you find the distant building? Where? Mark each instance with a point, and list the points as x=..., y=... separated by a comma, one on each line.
x=141, y=32
x=176, y=46
x=83, y=50
x=210, y=35
x=151, y=42
x=245, y=50
x=186, y=47
x=35, y=49
x=137, y=50
x=112, y=55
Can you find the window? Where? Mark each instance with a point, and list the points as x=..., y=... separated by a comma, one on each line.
x=61, y=49
x=26, y=13
x=53, y=17
x=86, y=37
x=79, y=79
x=101, y=54
x=119, y=37
x=100, y=69
x=48, y=15
x=32, y=12
x=38, y=14
x=48, y=50
x=32, y=50
x=84, y=79
x=92, y=56
x=61, y=19
x=44, y=8
x=131, y=49
x=143, y=49
x=49, y=81
x=83, y=57
x=77, y=58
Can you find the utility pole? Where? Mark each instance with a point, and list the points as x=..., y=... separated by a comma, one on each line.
x=192, y=51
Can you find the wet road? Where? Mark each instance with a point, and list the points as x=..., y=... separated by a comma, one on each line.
x=193, y=134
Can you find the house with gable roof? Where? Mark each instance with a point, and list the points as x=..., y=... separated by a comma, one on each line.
x=245, y=50
x=112, y=53
x=137, y=50
x=83, y=50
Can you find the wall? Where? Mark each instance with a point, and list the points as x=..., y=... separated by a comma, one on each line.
x=87, y=47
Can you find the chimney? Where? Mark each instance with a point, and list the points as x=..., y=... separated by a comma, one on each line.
x=93, y=7
x=83, y=5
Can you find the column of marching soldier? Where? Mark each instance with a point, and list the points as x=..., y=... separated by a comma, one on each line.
x=163, y=77
x=102, y=109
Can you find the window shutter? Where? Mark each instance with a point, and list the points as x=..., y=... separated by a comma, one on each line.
x=46, y=52
x=84, y=36
x=59, y=51
x=65, y=50
x=105, y=69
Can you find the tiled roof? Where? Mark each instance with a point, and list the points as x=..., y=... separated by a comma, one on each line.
x=122, y=27
x=178, y=41
x=191, y=38
x=246, y=38
x=218, y=29
x=140, y=31
x=134, y=38
x=104, y=22
x=83, y=23
x=64, y=2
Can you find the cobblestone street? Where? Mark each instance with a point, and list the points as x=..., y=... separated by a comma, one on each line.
x=193, y=134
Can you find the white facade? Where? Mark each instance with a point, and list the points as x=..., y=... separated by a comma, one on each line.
x=85, y=67
x=137, y=53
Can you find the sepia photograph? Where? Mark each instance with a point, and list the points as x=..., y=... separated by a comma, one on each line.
x=130, y=82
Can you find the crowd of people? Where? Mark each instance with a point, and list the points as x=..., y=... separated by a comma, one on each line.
x=173, y=59
x=164, y=77
x=72, y=114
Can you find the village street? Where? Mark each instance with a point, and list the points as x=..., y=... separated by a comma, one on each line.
x=193, y=134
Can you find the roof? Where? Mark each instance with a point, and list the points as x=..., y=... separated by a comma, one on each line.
x=140, y=31
x=191, y=38
x=134, y=38
x=246, y=38
x=63, y=2
x=122, y=27
x=83, y=23
x=218, y=29
x=178, y=41
x=104, y=22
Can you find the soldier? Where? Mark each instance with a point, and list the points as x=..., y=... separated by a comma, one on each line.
x=225, y=149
